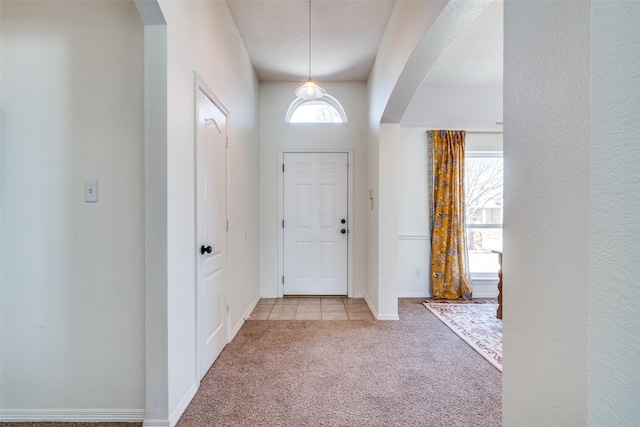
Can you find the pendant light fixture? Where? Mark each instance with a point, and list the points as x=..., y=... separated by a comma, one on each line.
x=310, y=91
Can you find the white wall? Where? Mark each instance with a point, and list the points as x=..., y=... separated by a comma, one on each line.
x=546, y=221
x=443, y=22
x=373, y=159
x=614, y=347
x=389, y=141
x=72, y=272
x=455, y=107
x=276, y=135
x=202, y=38
x=155, y=188
x=414, y=240
x=407, y=24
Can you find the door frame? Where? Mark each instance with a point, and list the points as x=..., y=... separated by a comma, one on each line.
x=201, y=85
x=281, y=153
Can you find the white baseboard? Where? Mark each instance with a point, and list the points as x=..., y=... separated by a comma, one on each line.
x=182, y=406
x=374, y=311
x=245, y=316
x=415, y=295
x=77, y=415
x=482, y=288
x=377, y=315
x=478, y=292
x=156, y=423
x=388, y=317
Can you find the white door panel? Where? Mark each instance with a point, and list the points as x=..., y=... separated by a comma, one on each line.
x=315, y=204
x=211, y=234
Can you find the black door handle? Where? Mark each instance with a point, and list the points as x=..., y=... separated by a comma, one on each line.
x=343, y=221
x=343, y=231
x=206, y=249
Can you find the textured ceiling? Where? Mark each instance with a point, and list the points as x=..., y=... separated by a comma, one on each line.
x=345, y=38
x=345, y=35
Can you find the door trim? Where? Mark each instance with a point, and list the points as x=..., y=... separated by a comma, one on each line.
x=200, y=85
x=281, y=153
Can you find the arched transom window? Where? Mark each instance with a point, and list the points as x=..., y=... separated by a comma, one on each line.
x=324, y=110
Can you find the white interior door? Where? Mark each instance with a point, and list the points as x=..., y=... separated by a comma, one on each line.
x=211, y=235
x=316, y=231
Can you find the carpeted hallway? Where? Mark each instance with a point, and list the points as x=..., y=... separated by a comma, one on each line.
x=411, y=372
x=356, y=373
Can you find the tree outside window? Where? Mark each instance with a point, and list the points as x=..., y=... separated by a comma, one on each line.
x=483, y=192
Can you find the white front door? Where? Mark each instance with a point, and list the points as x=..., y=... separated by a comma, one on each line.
x=316, y=231
x=211, y=235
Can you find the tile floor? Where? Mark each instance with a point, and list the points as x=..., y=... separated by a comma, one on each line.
x=312, y=308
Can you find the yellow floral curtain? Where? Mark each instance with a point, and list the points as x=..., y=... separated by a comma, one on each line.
x=449, y=256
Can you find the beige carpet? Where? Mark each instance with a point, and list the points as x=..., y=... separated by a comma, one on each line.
x=411, y=372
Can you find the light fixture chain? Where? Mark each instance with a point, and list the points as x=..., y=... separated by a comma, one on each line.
x=309, y=38
x=310, y=90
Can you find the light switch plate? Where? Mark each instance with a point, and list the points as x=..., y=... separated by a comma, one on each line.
x=91, y=191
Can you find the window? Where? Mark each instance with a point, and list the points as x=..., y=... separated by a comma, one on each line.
x=324, y=110
x=483, y=192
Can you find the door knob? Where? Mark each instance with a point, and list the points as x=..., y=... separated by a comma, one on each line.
x=206, y=249
x=343, y=221
x=343, y=231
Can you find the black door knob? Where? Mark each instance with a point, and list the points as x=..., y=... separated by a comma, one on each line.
x=343, y=221
x=343, y=231
x=206, y=249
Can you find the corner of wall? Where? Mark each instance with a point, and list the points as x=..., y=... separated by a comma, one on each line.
x=156, y=239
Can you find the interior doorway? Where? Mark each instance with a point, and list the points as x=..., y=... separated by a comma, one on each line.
x=211, y=228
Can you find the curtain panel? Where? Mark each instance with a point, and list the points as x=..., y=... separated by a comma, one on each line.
x=449, y=256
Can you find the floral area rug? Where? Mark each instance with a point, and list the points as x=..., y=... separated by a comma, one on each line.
x=475, y=323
